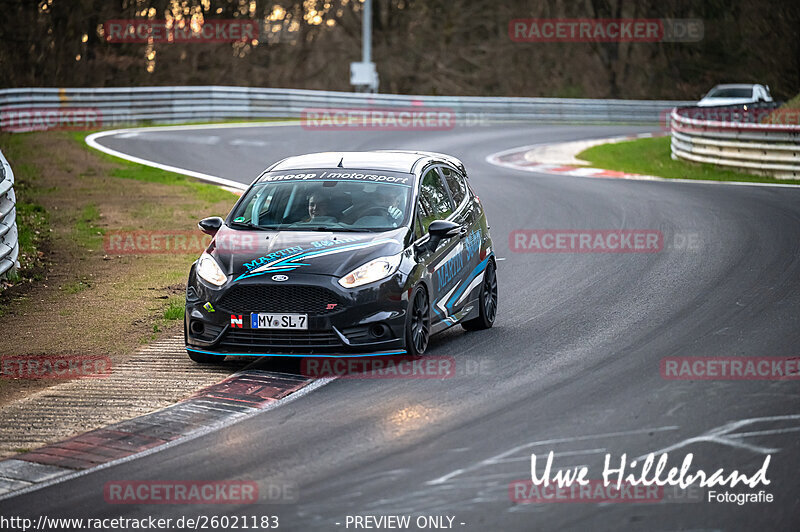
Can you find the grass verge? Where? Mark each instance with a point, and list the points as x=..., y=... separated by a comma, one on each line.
x=651, y=156
x=74, y=294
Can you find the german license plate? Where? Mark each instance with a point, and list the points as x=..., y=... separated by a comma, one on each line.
x=279, y=321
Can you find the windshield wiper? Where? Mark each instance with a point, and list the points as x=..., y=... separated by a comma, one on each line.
x=251, y=225
x=339, y=229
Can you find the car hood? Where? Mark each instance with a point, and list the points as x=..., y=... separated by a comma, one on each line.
x=244, y=254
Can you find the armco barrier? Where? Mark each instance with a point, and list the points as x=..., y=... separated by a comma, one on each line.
x=116, y=106
x=9, y=246
x=34, y=109
x=734, y=137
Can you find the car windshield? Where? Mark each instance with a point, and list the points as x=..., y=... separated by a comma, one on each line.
x=299, y=203
x=731, y=92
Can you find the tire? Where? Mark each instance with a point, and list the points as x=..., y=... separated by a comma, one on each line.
x=487, y=302
x=418, y=324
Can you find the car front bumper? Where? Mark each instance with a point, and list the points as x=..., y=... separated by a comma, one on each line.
x=364, y=321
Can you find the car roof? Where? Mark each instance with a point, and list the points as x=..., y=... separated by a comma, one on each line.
x=736, y=86
x=386, y=160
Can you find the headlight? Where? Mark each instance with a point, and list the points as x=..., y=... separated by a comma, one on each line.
x=208, y=269
x=374, y=270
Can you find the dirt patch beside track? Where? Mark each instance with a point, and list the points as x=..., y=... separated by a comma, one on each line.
x=81, y=299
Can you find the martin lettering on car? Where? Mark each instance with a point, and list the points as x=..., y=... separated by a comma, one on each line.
x=453, y=265
x=450, y=267
x=452, y=293
x=318, y=249
x=255, y=263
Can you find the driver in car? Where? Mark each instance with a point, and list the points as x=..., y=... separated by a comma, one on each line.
x=319, y=209
x=394, y=205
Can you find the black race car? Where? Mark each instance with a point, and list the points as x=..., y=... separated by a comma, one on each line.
x=343, y=254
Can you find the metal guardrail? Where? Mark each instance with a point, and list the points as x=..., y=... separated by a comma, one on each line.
x=115, y=106
x=733, y=137
x=35, y=109
x=9, y=245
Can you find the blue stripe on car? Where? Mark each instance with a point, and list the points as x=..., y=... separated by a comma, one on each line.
x=381, y=353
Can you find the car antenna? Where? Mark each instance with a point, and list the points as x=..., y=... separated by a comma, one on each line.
x=340, y=163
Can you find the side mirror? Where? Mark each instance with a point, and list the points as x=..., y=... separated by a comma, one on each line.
x=441, y=229
x=211, y=225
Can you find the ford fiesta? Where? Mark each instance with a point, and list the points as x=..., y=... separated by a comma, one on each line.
x=343, y=254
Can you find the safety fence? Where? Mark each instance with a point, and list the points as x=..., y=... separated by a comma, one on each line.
x=49, y=108
x=758, y=139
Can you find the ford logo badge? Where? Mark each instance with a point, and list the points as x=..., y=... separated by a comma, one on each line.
x=280, y=278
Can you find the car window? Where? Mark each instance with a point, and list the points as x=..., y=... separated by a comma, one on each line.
x=455, y=182
x=434, y=199
x=731, y=92
x=345, y=204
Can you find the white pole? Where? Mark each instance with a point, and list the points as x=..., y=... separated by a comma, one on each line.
x=366, y=33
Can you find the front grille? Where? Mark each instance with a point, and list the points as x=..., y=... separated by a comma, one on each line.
x=265, y=340
x=312, y=300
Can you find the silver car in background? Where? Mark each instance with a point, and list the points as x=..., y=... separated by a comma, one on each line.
x=734, y=94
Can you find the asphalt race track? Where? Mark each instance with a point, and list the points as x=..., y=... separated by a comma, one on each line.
x=572, y=364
